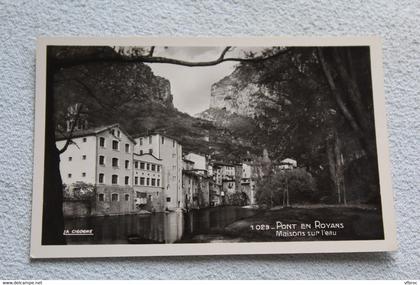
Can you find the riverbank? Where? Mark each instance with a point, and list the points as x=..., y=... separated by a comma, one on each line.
x=309, y=223
x=231, y=224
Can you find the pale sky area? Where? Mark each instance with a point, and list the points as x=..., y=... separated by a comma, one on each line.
x=190, y=86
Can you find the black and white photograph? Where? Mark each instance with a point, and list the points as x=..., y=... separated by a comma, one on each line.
x=210, y=146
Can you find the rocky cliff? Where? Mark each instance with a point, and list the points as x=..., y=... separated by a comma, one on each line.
x=163, y=91
x=113, y=92
x=141, y=102
x=237, y=95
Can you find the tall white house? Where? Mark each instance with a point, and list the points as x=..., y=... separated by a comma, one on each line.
x=200, y=161
x=148, y=182
x=99, y=156
x=248, y=182
x=169, y=152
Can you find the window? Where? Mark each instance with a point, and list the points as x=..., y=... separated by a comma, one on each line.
x=141, y=141
x=114, y=179
x=136, y=180
x=70, y=158
x=127, y=147
x=147, y=166
x=115, y=144
x=150, y=140
x=157, y=182
x=127, y=197
x=83, y=174
x=153, y=167
x=102, y=142
x=147, y=181
x=69, y=175
x=153, y=182
x=157, y=167
x=150, y=150
x=127, y=164
x=101, y=178
x=84, y=140
x=163, y=140
x=101, y=197
x=101, y=160
x=114, y=197
x=126, y=180
x=141, y=152
x=168, y=199
x=141, y=165
x=114, y=162
x=118, y=133
x=173, y=143
x=141, y=180
x=136, y=165
x=84, y=157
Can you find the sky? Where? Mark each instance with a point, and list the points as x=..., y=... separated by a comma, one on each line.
x=190, y=86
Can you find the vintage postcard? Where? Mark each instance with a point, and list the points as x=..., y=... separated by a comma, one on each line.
x=210, y=146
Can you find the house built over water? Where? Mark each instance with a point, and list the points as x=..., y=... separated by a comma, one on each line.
x=148, y=173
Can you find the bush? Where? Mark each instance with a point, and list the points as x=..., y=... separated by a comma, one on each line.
x=298, y=181
x=79, y=191
x=237, y=199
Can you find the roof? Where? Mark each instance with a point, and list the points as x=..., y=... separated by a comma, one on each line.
x=194, y=172
x=199, y=169
x=223, y=164
x=190, y=172
x=187, y=160
x=91, y=132
x=154, y=133
x=194, y=153
x=288, y=161
x=144, y=154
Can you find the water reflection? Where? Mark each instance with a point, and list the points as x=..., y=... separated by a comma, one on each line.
x=155, y=228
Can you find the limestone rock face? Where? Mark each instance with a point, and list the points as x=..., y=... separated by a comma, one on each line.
x=163, y=91
x=235, y=96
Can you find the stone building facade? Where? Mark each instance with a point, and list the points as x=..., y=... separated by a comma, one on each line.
x=148, y=183
x=151, y=173
x=169, y=153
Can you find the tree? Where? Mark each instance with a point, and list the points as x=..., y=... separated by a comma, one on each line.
x=79, y=191
x=237, y=199
x=319, y=110
x=286, y=187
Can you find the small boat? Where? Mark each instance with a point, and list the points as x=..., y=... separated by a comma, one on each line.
x=143, y=212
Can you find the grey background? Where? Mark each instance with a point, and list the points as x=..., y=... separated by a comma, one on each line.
x=21, y=22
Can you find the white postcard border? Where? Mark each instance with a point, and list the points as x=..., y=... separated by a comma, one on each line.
x=284, y=247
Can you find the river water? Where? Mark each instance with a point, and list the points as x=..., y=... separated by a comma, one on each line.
x=204, y=225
